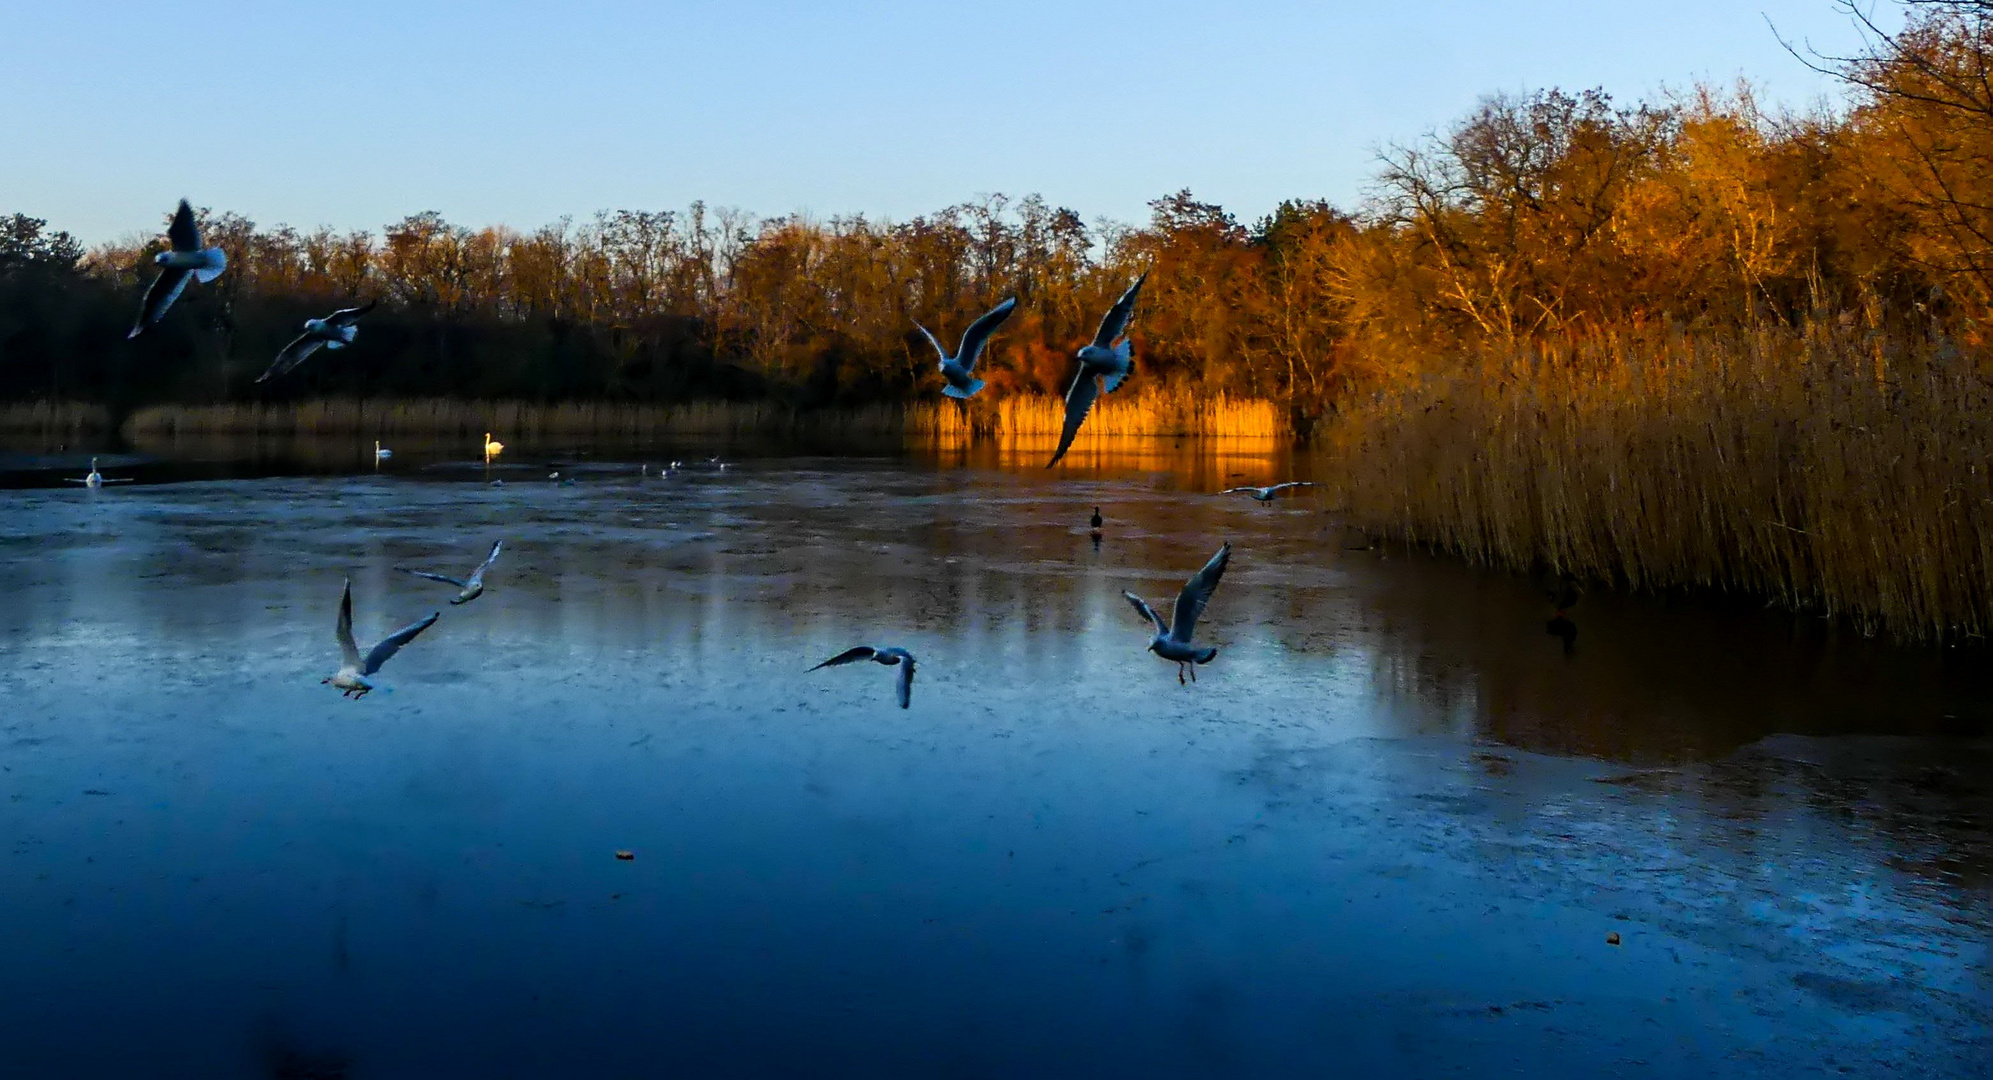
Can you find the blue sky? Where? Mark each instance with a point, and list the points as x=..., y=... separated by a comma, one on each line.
x=356, y=114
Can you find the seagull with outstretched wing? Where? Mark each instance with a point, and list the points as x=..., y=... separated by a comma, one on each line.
x=353, y=668
x=1266, y=495
x=472, y=586
x=960, y=369
x=335, y=331
x=1172, y=640
x=1102, y=362
x=183, y=258
x=888, y=656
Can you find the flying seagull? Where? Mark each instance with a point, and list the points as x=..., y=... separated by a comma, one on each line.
x=1103, y=359
x=473, y=586
x=335, y=331
x=1268, y=494
x=96, y=479
x=350, y=678
x=887, y=656
x=1172, y=640
x=185, y=256
x=960, y=369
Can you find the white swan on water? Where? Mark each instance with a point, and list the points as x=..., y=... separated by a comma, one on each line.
x=96, y=479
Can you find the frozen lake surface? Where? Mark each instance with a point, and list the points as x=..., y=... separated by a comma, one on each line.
x=1388, y=833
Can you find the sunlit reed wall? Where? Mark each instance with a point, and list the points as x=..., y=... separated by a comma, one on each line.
x=1159, y=412
x=1833, y=470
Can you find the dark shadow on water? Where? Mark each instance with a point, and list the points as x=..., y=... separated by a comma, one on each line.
x=1662, y=679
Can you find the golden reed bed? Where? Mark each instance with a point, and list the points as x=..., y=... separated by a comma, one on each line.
x=1830, y=470
x=1161, y=413
x=508, y=419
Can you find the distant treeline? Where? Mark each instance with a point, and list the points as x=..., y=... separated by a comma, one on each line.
x=1686, y=343
x=1541, y=219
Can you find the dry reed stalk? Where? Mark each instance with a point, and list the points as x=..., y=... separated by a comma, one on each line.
x=1835, y=473
x=54, y=417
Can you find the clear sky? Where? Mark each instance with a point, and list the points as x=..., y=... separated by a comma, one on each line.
x=356, y=114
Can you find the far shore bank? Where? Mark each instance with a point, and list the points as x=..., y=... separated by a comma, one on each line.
x=1814, y=468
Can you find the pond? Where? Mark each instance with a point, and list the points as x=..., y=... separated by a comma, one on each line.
x=1393, y=829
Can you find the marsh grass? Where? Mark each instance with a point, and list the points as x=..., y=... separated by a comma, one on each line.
x=54, y=418
x=1832, y=471
x=1162, y=412
x=512, y=420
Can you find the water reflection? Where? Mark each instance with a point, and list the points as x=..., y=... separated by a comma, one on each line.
x=1387, y=832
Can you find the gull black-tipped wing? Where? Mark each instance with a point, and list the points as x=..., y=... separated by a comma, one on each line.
x=159, y=296
x=1197, y=593
x=1116, y=322
x=979, y=332
x=477, y=575
x=181, y=232
x=392, y=643
x=350, y=315
x=348, y=651
x=849, y=656
x=905, y=682
x=1148, y=612
x=444, y=578
x=929, y=335
x=1079, y=402
x=300, y=349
